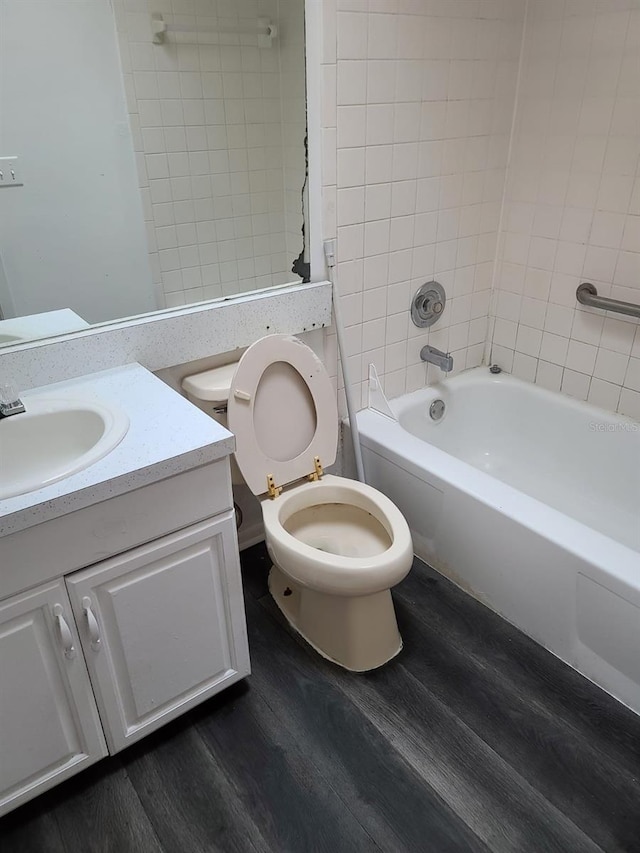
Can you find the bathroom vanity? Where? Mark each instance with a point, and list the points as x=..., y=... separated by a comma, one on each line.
x=120, y=592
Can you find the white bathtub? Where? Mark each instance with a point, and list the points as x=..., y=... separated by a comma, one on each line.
x=530, y=501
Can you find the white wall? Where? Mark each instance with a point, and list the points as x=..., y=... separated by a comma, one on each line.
x=572, y=210
x=418, y=106
x=73, y=236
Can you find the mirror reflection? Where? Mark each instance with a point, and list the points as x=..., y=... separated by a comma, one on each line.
x=152, y=155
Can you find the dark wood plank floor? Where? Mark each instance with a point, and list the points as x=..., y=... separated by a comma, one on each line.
x=473, y=739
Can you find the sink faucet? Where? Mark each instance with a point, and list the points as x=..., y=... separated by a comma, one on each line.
x=434, y=356
x=10, y=403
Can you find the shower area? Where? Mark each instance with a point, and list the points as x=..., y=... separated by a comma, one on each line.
x=521, y=484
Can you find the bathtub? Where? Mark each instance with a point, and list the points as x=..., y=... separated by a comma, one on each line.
x=530, y=501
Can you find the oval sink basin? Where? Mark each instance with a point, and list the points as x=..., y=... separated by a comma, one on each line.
x=54, y=439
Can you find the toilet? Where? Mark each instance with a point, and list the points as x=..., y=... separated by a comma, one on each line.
x=337, y=545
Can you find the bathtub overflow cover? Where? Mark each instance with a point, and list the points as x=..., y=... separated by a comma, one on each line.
x=436, y=410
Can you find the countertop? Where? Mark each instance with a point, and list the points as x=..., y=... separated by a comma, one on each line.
x=167, y=435
x=41, y=325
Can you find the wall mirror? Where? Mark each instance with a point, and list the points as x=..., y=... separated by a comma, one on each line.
x=152, y=155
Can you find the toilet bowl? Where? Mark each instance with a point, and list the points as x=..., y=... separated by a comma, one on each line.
x=337, y=546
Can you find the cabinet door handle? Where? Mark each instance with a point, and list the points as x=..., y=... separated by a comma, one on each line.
x=92, y=624
x=65, y=634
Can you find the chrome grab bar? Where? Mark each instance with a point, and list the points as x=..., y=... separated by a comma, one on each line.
x=586, y=294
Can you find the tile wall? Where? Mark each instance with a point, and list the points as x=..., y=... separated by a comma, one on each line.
x=208, y=120
x=572, y=206
x=418, y=100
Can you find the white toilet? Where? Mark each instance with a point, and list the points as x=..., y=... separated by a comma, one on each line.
x=337, y=545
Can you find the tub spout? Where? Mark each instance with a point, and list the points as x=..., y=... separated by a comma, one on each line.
x=434, y=356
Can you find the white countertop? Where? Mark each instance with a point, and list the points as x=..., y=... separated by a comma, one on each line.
x=167, y=435
x=20, y=329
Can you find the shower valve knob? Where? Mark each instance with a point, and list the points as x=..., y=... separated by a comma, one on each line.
x=428, y=304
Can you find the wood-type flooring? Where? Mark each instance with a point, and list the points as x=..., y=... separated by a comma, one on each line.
x=473, y=739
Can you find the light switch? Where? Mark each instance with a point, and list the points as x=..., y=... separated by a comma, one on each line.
x=10, y=172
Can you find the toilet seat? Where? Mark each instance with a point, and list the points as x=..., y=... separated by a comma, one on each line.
x=280, y=372
x=282, y=411
x=332, y=573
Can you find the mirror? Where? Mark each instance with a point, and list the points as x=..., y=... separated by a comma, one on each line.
x=152, y=155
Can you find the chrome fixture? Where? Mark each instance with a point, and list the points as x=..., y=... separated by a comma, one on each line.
x=428, y=304
x=495, y=369
x=586, y=294
x=436, y=410
x=434, y=356
x=10, y=403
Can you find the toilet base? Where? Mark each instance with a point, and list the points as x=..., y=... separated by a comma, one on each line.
x=358, y=632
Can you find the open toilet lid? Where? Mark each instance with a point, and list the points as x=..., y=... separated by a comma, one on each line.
x=282, y=410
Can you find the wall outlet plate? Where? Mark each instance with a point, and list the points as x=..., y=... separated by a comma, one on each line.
x=10, y=175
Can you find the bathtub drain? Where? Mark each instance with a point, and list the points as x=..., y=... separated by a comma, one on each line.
x=436, y=410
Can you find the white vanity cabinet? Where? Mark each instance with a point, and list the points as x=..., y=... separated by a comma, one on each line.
x=162, y=627
x=115, y=619
x=49, y=724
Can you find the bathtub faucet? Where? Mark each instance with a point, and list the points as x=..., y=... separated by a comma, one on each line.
x=434, y=356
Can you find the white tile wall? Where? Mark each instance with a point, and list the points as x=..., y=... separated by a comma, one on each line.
x=572, y=206
x=219, y=130
x=418, y=100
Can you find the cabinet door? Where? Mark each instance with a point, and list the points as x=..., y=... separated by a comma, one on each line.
x=49, y=724
x=163, y=627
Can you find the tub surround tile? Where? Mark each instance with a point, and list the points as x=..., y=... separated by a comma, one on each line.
x=571, y=209
x=630, y=403
x=502, y=356
x=606, y=395
x=587, y=327
x=575, y=384
x=581, y=357
x=424, y=102
x=618, y=335
x=549, y=375
x=611, y=366
x=632, y=378
x=554, y=348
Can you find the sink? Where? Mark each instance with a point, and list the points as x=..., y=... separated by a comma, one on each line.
x=53, y=439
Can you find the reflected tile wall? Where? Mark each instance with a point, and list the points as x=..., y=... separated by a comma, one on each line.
x=219, y=148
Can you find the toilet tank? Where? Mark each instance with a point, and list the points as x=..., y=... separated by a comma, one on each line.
x=209, y=391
